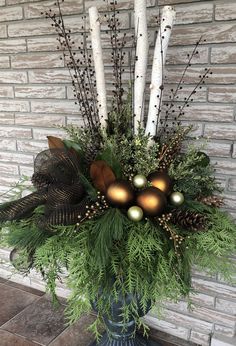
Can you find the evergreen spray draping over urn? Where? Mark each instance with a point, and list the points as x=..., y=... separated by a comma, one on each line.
x=118, y=203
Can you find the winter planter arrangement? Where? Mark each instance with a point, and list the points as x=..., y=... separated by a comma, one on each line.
x=118, y=203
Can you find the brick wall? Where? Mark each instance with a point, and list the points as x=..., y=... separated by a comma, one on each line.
x=35, y=95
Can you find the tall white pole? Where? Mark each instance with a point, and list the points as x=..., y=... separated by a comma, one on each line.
x=141, y=33
x=156, y=86
x=98, y=64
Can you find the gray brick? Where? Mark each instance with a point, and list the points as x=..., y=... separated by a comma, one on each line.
x=12, y=46
x=41, y=134
x=213, y=33
x=178, y=55
x=208, y=112
x=33, y=10
x=49, y=76
x=4, y=62
x=220, y=75
x=213, y=316
x=225, y=166
x=218, y=149
x=16, y=77
x=26, y=170
x=174, y=2
x=31, y=146
x=14, y=2
x=223, y=55
x=212, y=287
x=3, y=31
x=15, y=132
x=14, y=106
x=220, y=131
x=223, y=330
x=9, y=169
x=181, y=306
x=8, y=181
x=42, y=60
x=222, y=94
x=201, y=299
x=6, y=144
x=230, y=202
x=200, y=338
x=6, y=118
x=39, y=44
x=65, y=107
x=218, y=340
x=200, y=96
x=16, y=158
x=6, y=91
x=188, y=321
x=225, y=11
x=30, y=28
x=11, y=13
x=40, y=120
x=234, y=151
x=167, y=327
x=226, y=305
x=41, y=92
x=77, y=121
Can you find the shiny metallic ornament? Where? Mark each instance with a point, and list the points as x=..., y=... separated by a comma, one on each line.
x=140, y=181
x=135, y=213
x=162, y=181
x=152, y=200
x=177, y=198
x=120, y=193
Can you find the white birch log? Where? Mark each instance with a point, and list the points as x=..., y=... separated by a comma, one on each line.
x=162, y=41
x=140, y=21
x=98, y=64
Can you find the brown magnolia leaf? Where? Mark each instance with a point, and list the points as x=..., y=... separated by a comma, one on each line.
x=55, y=143
x=102, y=175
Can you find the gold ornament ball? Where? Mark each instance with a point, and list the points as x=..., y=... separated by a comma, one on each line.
x=152, y=201
x=177, y=198
x=162, y=181
x=139, y=181
x=120, y=193
x=135, y=213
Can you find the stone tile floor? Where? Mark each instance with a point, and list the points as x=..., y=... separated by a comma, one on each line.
x=27, y=318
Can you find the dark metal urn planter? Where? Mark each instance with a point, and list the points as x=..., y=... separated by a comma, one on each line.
x=119, y=333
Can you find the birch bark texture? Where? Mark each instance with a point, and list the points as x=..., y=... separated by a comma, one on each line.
x=142, y=46
x=95, y=30
x=156, y=86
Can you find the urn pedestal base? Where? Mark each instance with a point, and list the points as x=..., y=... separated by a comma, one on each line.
x=137, y=341
x=120, y=332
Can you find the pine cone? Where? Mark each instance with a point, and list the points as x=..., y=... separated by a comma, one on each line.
x=189, y=220
x=212, y=201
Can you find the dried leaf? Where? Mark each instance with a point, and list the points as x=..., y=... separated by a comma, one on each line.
x=101, y=175
x=55, y=143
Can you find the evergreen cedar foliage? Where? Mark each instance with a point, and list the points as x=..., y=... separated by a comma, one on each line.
x=106, y=251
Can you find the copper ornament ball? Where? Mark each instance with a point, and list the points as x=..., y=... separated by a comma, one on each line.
x=152, y=200
x=120, y=193
x=135, y=213
x=162, y=181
